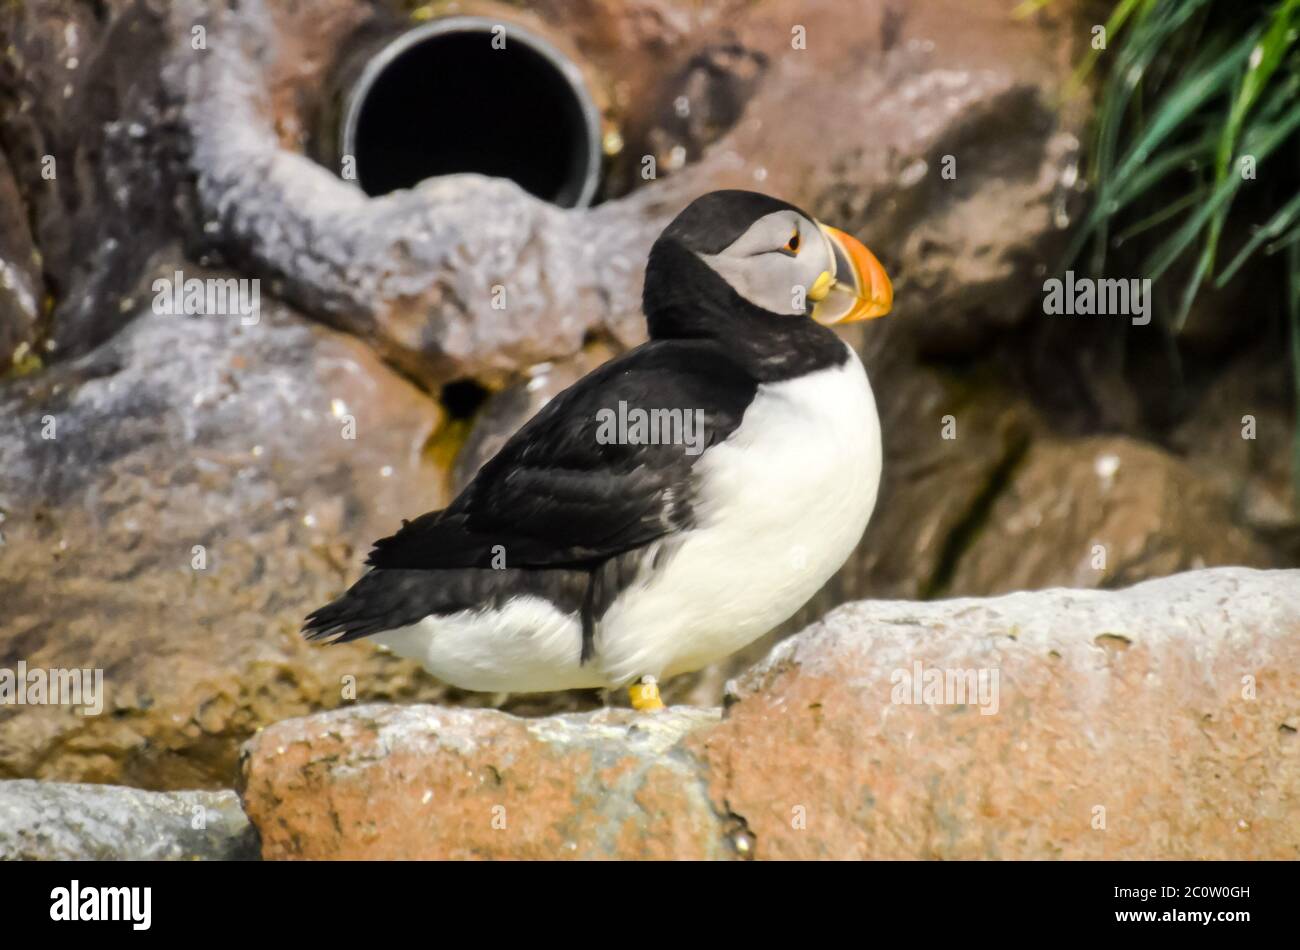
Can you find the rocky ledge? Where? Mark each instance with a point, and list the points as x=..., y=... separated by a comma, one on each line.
x=1154, y=722
x=58, y=821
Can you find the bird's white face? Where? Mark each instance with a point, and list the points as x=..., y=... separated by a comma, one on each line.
x=789, y=264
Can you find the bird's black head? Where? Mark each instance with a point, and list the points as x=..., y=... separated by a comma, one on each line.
x=738, y=265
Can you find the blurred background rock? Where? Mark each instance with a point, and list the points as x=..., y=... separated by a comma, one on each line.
x=128, y=153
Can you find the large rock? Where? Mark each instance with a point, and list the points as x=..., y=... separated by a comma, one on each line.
x=1101, y=512
x=51, y=821
x=171, y=506
x=1154, y=722
x=1236, y=436
x=423, y=782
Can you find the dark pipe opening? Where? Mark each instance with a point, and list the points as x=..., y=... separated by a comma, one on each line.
x=441, y=99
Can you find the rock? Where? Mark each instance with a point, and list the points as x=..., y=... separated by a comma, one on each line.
x=96, y=154
x=51, y=821
x=22, y=287
x=948, y=442
x=420, y=783
x=505, y=412
x=1101, y=512
x=1152, y=723
x=198, y=496
x=1236, y=435
x=1156, y=722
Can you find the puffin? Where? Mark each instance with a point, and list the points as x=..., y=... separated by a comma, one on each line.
x=674, y=504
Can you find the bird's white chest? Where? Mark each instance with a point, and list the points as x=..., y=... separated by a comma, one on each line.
x=781, y=505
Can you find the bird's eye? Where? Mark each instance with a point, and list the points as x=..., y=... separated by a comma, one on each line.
x=792, y=245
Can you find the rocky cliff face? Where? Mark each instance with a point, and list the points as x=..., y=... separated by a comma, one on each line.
x=1154, y=722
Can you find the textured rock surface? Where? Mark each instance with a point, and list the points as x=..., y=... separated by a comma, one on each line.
x=1247, y=399
x=52, y=821
x=184, y=434
x=95, y=152
x=1101, y=512
x=1155, y=722
x=422, y=782
x=22, y=287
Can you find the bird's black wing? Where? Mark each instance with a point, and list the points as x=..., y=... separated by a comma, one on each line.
x=559, y=495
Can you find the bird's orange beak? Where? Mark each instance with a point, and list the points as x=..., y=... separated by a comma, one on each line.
x=858, y=289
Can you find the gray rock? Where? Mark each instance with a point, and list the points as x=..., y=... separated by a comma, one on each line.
x=52, y=821
x=172, y=505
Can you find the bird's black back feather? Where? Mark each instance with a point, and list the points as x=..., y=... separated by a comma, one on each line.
x=557, y=512
x=555, y=496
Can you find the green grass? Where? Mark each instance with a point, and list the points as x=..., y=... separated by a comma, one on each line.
x=1191, y=92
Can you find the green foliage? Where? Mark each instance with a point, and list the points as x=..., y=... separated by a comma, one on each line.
x=1199, y=101
x=1193, y=89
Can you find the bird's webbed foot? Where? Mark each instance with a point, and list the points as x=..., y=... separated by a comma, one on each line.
x=645, y=695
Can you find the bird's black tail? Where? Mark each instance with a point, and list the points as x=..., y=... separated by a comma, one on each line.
x=381, y=600
x=389, y=598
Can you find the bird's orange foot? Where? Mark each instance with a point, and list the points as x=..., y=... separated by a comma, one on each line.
x=645, y=695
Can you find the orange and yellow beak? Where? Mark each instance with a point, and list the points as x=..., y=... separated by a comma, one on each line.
x=857, y=289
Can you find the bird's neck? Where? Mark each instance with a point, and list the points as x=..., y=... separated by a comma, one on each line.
x=695, y=305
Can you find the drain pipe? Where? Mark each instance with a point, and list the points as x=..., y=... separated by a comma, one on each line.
x=469, y=94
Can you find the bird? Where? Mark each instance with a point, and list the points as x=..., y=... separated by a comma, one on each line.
x=674, y=504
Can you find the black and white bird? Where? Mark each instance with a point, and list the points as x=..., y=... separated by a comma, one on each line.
x=671, y=506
